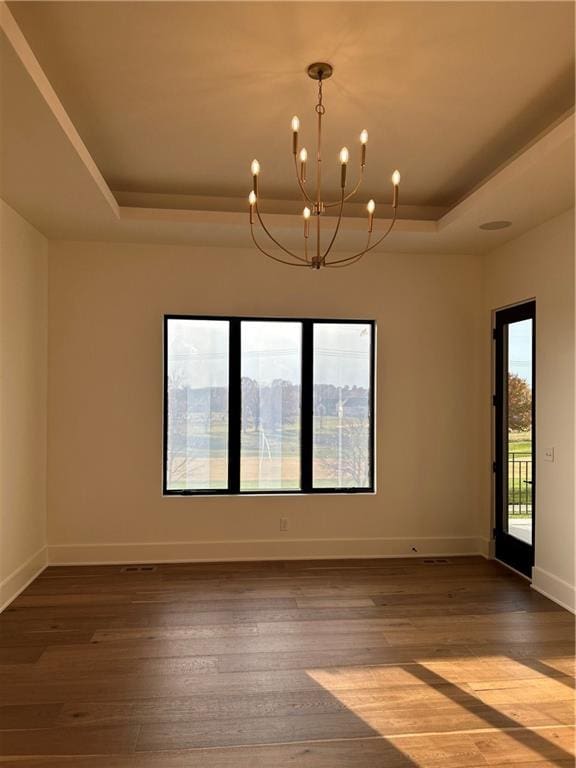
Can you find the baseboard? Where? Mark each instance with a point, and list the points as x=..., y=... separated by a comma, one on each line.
x=555, y=589
x=276, y=549
x=18, y=580
x=485, y=547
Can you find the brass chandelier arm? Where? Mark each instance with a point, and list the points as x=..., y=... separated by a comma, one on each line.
x=269, y=255
x=351, y=193
x=327, y=251
x=384, y=236
x=368, y=246
x=349, y=260
x=271, y=236
x=335, y=265
x=301, y=184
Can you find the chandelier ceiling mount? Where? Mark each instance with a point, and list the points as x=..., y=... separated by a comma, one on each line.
x=320, y=70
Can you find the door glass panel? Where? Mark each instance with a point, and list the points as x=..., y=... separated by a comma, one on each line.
x=197, y=404
x=271, y=365
x=518, y=431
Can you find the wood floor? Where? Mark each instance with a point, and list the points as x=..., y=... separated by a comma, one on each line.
x=315, y=664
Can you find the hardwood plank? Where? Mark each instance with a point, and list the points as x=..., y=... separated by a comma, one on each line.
x=19, y=654
x=183, y=604
x=163, y=665
x=334, y=602
x=140, y=616
x=327, y=657
x=198, y=733
x=69, y=741
x=553, y=744
x=18, y=717
x=543, y=649
x=405, y=709
x=555, y=624
x=75, y=686
x=26, y=601
x=51, y=637
x=141, y=605
x=126, y=649
x=492, y=683
x=181, y=633
x=202, y=707
x=433, y=751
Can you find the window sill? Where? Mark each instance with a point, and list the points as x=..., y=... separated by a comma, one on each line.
x=267, y=494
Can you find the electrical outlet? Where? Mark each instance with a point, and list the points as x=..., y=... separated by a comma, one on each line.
x=283, y=524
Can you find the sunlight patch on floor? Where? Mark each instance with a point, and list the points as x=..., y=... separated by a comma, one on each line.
x=453, y=696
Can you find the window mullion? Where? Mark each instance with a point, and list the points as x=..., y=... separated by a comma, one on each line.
x=234, y=408
x=372, y=412
x=307, y=405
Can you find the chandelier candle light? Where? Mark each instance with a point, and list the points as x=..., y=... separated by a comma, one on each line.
x=315, y=205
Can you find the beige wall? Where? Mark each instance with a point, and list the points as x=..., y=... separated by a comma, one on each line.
x=106, y=303
x=540, y=264
x=23, y=360
x=105, y=404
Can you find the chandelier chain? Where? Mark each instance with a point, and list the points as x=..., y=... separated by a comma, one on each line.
x=320, y=108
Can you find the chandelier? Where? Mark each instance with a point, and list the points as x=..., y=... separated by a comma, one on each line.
x=315, y=256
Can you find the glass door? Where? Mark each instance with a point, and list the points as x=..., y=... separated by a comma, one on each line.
x=514, y=402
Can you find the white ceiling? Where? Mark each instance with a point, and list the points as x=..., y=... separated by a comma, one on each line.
x=172, y=101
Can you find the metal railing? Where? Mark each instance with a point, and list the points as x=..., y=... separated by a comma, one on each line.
x=519, y=483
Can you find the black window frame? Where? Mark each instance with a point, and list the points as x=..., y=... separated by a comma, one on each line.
x=235, y=407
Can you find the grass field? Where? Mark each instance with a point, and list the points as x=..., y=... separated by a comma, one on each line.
x=520, y=492
x=270, y=457
x=520, y=446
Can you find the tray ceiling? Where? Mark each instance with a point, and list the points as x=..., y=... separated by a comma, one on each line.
x=172, y=100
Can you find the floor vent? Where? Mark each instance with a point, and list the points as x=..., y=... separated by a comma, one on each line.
x=436, y=560
x=137, y=568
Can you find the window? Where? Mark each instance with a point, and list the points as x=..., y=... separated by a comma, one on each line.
x=268, y=405
x=342, y=405
x=271, y=370
x=197, y=378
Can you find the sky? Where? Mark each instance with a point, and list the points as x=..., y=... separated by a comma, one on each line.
x=198, y=352
x=520, y=349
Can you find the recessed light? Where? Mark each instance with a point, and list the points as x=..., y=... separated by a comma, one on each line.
x=490, y=225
